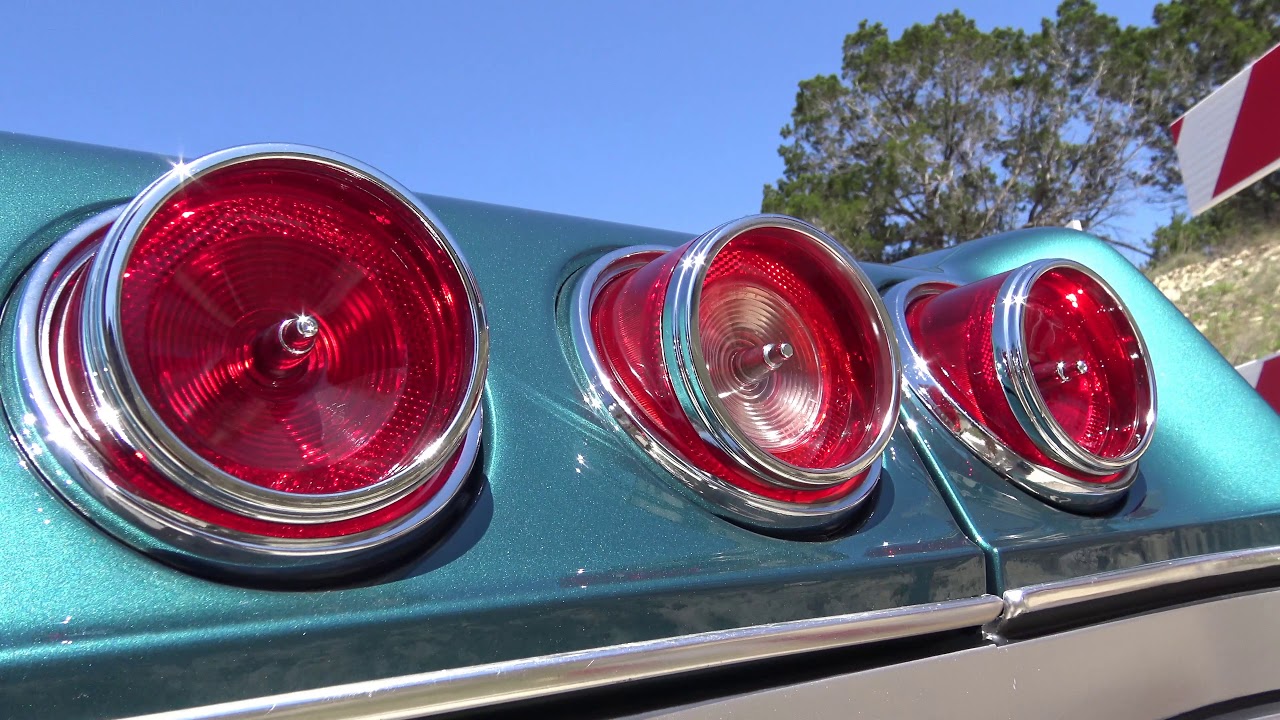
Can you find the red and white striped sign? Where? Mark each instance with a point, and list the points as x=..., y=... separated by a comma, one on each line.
x=1264, y=376
x=1231, y=139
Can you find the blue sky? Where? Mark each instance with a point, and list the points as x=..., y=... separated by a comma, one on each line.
x=655, y=113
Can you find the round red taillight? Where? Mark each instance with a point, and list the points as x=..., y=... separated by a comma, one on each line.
x=272, y=358
x=1040, y=370
x=754, y=362
x=1088, y=365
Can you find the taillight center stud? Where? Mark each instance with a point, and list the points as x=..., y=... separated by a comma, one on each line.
x=298, y=335
x=1061, y=370
x=755, y=364
x=286, y=347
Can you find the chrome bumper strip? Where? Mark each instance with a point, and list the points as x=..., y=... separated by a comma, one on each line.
x=1144, y=667
x=1024, y=601
x=412, y=696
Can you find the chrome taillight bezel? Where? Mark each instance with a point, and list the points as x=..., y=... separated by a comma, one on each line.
x=928, y=401
x=1009, y=342
x=140, y=426
x=45, y=421
x=684, y=351
x=687, y=372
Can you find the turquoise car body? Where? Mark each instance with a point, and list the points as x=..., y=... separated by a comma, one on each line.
x=577, y=541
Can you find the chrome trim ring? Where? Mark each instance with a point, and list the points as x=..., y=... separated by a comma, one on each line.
x=1009, y=340
x=140, y=427
x=54, y=442
x=692, y=382
x=717, y=496
x=927, y=398
x=484, y=686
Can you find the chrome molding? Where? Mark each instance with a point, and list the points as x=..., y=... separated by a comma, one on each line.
x=927, y=401
x=712, y=493
x=1146, y=667
x=1009, y=340
x=692, y=381
x=140, y=427
x=481, y=686
x=432, y=693
x=49, y=428
x=1024, y=601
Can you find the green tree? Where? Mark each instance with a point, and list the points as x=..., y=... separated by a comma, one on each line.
x=949, y=133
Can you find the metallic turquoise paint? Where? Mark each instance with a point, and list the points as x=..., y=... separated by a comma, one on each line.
x=576, y=540
x=1210, y=481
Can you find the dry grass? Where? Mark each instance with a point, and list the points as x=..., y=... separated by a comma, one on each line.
x=1233, y=297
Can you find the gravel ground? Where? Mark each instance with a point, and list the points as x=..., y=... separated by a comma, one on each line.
x=1233, y=297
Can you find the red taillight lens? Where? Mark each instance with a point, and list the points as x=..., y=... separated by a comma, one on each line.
x=1088, y=363
x=273, y=358
x=754, y=360
x=792, y=350
x=228, y=264
x=1040, y=370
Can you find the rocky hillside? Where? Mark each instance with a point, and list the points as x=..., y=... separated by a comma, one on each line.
x=1233, y=296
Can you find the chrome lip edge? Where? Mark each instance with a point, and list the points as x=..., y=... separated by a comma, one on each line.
x=711, y=493
x=443, y=691
x=71, y=466
x=1009, y=341
x=1031, y=599
x=683, y=349
x=925, y=398
x=140, y=426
